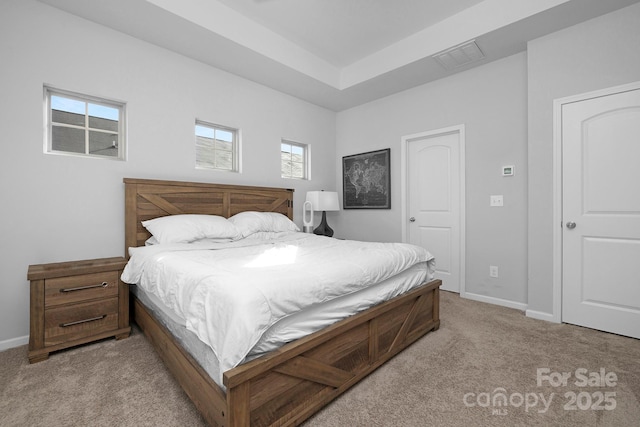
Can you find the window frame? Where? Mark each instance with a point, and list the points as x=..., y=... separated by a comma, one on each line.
x=235, y=146
x=306, y=157
x=121, y=106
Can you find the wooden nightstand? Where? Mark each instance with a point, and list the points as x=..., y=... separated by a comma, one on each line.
x=75, y=303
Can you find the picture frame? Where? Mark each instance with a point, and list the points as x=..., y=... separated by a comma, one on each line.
x=366, y=180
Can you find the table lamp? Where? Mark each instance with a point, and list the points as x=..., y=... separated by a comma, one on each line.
x=323, y=201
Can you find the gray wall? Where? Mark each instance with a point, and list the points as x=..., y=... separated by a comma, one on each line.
x=60, y=208
x=597, y=54
x=491, y=102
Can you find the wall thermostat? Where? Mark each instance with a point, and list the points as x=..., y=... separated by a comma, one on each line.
x=507, y=171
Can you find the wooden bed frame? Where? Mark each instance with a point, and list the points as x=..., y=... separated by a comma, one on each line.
x=292, y=383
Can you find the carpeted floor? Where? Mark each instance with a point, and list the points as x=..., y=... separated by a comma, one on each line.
x=485, y=366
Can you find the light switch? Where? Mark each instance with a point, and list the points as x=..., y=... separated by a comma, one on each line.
x=496, y=200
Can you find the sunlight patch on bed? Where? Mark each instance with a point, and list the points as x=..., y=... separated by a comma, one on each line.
x=279, y=255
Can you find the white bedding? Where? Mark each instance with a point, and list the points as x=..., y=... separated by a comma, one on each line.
x=230, y=297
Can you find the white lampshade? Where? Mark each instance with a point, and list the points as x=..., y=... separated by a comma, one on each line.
x=323, y=200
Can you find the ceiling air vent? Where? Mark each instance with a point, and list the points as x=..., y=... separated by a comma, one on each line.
x=457, y=56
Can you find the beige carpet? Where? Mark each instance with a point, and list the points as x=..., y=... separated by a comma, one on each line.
x=448, y=378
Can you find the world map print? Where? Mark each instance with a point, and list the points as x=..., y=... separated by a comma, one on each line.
x=366, y=180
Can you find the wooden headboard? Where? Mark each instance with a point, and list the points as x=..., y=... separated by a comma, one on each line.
x=146, y=199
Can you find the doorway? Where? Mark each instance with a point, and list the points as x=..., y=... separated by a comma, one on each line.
x=433, y=209
x=597, y=210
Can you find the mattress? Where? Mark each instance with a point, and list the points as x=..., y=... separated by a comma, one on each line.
x=230, y=303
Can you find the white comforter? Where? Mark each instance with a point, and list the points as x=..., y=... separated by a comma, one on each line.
x=230, y=297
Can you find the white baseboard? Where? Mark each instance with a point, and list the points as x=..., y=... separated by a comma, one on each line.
x=14, y=342
x=541, y=315
x=497, y=301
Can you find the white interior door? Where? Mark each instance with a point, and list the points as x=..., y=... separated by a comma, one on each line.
x=435, y=194
x=601, y=213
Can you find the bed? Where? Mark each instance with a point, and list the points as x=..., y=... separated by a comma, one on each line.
x=289, y=384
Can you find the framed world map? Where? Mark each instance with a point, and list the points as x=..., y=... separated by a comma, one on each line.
x=366, y=180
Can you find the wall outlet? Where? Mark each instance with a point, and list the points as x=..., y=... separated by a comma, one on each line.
x=495, y=200
x=493, y=271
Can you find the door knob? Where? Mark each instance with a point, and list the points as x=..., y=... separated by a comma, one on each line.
x=571, y=225
x=412, y=219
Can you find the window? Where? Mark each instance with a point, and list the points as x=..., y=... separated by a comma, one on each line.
x=294, y=160
x=84, y=125
x=216, y=147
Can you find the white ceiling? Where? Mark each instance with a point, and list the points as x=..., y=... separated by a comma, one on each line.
x=345, y=31
x=337, y=53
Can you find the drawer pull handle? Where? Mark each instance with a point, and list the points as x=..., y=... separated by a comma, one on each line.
x=81, y=288
x=77, y=322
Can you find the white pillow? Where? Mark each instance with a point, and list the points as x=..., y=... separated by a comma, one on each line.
x=252, y=222
x=190, y=227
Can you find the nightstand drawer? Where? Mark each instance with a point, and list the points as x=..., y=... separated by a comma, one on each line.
x=68, y=323
x=83, y=287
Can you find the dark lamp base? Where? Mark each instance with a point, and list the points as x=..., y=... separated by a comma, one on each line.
x=323, y=229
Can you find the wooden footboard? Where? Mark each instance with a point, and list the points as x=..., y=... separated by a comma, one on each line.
x=290, y=384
